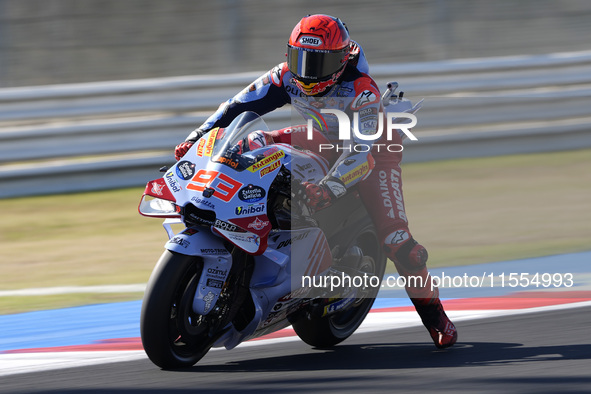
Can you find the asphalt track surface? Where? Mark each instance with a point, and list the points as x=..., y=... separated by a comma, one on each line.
x=545, y=352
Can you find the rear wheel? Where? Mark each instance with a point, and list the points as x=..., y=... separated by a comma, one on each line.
x=172, y=334
x=330, y=330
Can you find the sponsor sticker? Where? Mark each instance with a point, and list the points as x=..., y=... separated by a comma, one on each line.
x=227, y=161
x=249, y=238
x=266, y=161
x=270, y=169
x=190, y=231
x=201, y=146
x=258, y=224
x=180, y=241
x=389, y=189
x=224, y=225
x=202, y=201
x=251, y=209
x=297, y=293
x=289, y=241
x=185, y=169
x=366, y=97
x=276, y=75
x=214, y=251
x=208, y=298
x=210, y=141
x=215, y=283
x=338, y=305
x=356, y=173
x=157, y=189
x=310, y=41
x=172, y=182
x=216, y=273
x=397, y=237
x=251, y=193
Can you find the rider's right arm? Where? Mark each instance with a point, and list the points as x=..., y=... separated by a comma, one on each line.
x=264, y=95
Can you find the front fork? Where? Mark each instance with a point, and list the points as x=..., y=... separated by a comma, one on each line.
x=217, y=261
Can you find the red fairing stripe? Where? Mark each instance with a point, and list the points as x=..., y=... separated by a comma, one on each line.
x=158, y=188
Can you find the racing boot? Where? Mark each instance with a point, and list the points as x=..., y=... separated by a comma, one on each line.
x=442, y=330
x=410, y=259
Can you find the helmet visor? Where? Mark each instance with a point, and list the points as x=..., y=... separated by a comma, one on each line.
x=315, y=65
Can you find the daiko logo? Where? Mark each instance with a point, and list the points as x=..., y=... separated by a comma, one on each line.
x=345, y=130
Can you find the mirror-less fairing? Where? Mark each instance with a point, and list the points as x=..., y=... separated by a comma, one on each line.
x=245, y=260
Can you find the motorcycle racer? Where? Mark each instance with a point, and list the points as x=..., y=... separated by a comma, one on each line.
x=325, y=69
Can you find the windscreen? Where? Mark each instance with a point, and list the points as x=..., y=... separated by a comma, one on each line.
x=229, y=144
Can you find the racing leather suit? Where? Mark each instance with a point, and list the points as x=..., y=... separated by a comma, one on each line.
x=376, y=169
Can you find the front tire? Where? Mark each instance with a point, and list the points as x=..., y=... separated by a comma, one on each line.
x=173, y=335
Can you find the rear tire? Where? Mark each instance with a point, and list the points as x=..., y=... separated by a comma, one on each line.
x=173, y=335
x=327, y=331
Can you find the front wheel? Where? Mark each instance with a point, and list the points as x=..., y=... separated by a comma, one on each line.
x=172, y=334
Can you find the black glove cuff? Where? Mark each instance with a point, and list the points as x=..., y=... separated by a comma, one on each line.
x=334, y=186
x=196, y=135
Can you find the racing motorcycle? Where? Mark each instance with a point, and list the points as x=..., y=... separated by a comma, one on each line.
x=250, y=257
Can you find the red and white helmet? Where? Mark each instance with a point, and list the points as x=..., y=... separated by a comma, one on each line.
x=254, y=140
x=317, y=52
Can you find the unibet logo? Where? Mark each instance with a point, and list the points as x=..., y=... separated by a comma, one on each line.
x=311, y=41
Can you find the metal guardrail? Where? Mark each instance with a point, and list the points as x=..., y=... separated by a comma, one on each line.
x=78, y=137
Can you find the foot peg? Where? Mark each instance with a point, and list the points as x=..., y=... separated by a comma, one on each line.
x=352, y=259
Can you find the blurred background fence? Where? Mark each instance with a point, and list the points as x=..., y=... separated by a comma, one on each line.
x=95, y=93
x=65, y=41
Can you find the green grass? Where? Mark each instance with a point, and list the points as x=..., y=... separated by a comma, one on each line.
x=464, y=211
x=501, y=208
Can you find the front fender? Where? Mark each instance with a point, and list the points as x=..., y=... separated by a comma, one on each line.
x=196, y=242
x=217, y=262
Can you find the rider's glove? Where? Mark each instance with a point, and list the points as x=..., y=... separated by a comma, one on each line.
x=317, y=196
x=182, y=149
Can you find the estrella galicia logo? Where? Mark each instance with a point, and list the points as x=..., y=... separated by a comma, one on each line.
x=185, y=169
x=251, y=193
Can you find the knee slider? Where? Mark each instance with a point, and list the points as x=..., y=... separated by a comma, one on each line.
x=411, y=255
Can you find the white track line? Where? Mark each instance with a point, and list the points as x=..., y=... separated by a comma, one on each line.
x=19, y=363
x=43, y=291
